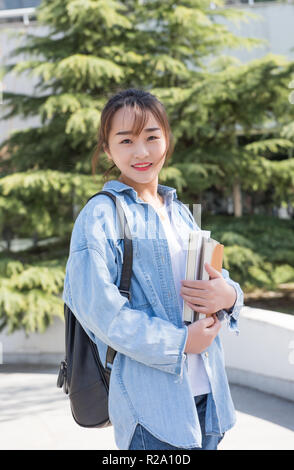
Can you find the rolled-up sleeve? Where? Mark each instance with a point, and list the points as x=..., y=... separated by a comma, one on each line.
x=232, y=315
x=101, y=309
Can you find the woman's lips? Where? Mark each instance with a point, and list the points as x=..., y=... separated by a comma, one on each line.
x=144, y=168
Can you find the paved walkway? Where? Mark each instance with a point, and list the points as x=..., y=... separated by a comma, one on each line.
x=35, y=414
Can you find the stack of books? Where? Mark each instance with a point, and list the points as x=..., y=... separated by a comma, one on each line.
x=201, y=249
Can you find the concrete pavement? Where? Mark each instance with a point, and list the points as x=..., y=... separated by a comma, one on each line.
x=35, y=414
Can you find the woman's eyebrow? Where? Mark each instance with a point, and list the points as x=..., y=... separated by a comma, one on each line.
x=149, y=129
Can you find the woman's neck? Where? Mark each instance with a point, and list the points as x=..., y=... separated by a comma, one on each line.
x=146, y=192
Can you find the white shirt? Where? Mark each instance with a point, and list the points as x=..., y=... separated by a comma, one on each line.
x=196, y=371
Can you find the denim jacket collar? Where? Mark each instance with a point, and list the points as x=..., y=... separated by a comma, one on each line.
x=166, y=191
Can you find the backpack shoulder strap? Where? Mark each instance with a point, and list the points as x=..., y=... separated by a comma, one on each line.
x=125, y=281
x=127, y=266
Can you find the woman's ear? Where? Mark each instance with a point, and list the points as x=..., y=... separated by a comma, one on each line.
x=106, y=150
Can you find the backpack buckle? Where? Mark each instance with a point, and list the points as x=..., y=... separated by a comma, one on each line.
x=126, y=293
x=62, y=376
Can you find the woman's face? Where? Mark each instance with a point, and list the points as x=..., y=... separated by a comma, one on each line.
x=127, y=150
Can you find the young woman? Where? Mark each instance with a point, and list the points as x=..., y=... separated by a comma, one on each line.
x=168, y=386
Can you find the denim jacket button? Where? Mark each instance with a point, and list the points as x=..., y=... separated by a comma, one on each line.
x=206, y=354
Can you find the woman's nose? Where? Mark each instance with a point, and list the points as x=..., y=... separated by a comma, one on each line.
x=140, y=151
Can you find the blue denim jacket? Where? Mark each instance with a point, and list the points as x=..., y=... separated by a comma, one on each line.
x=149, y=382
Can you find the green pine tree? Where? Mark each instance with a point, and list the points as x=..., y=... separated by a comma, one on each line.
x=242, y=139
x=93, y=49
x=96, y=47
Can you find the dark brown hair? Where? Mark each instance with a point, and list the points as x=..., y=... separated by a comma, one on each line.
x=142, y=102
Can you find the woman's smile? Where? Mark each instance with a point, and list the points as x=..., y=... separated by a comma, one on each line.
x=141, y=167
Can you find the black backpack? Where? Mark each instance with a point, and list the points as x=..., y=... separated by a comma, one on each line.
x=83, y=377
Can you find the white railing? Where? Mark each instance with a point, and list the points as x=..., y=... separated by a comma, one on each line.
x=25, y=13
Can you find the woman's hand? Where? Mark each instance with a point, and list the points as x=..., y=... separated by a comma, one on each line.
x=201, y=334
x=209, y=296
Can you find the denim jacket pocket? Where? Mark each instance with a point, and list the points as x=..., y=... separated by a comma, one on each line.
x=138, y=298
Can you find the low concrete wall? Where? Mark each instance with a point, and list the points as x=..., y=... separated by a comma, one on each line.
x=261, y=356
x=36, y=348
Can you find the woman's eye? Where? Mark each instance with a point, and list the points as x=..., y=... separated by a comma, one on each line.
x=154, y=137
